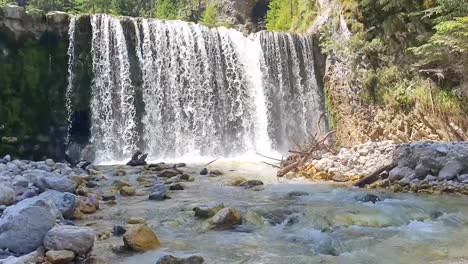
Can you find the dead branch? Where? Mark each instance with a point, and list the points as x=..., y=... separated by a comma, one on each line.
x=287, y=169
x=267, y=157
x=212, y=161
x=273, y=165
x=374, y=176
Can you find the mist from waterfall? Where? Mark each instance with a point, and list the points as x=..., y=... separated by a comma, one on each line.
x=171, y=89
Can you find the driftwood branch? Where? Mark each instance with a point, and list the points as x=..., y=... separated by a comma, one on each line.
x=267, y=157
x=287, y=169
x=374, y=176
x=273, y=165
x=212, y=161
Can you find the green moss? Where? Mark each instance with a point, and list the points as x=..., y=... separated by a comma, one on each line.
x=291, y=15
x=33, y=79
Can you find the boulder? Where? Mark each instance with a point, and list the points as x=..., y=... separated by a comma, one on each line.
x=127, y=191
x=169, y=259
x=235, y=181
x=421, y=171
x=159, y=192
x=369, y=198
x=61, y=184
x=176, y=187
x=215, y=173
x=118, y=230
x=36, y=256
x=450, y=170
x=399, y=173
x=251, y=183
x=253, y=218
x=66, y=203
x=224, y=219
x=80, y=240
x=136, y=220
x=463, y=177
x=141, y=238
x=23, y=226
x=204, y=171
x=169, y=173
x=7, y=195
x=174, y=179
x=208, y=210
x=60, y=256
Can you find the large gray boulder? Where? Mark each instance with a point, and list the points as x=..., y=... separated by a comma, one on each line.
x=23, y=226
x=7, y=195
x=61, y=184
x=65, y=202
x=399, y=173
x=77, y=239
x=450, y=170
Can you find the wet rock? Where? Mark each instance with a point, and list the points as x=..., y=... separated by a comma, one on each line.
x=224, y=219
x=296, y=194
x=215, y=173
x=168, y=259
x=127, y=191
x=430, y=178
x=176, y=187
x=251, y=183
x=253, y=218
x=85, y=206
x=208, y=210
x=93, y=171
x=369, y=198
x=181, y=165
x=141, y=238
x=7, y=195
x=120, y=184
x=159, y=192
x=23, y=226
x=108, y=197
x=168, y=173
x=80, y=240
x=174, y=179
x=204, y=171
x=118, y=230
x=399, y=173
x=120, y=173
x=235, y=181
x=450, y=170
x=136, y=220
x=138, y=159
x=104, y=235
x=60, y=256
x=186, y=177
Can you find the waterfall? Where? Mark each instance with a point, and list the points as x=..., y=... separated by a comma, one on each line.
x=71, y=74
x=172, y=88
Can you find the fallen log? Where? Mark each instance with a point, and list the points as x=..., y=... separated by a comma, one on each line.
x=374, y=176
x=267, y=157
x=287, y=169
x=212, y=161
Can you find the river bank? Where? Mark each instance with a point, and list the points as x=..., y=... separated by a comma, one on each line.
x=272, y=220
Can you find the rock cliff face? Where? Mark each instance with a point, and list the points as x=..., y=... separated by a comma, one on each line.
x=33, y=79
x=357, y=122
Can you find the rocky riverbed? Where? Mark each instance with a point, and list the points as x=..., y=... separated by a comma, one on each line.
x=426, y=167
x=232, y=212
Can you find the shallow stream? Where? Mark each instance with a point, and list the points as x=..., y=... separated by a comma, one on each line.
x=326, y=225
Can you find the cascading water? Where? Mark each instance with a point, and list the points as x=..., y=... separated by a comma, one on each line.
x=113, y=127
x=173, y=88
x=71, y=72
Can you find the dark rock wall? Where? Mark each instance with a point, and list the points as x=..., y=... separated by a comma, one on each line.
x=33, y=80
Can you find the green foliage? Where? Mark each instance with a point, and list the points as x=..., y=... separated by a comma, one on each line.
x=210, y=16
x=445, y=55
x=290, y=15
